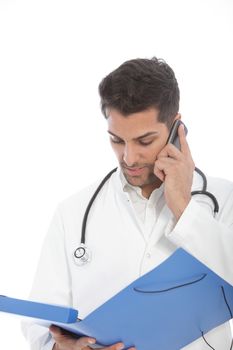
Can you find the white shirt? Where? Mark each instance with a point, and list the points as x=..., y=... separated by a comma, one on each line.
x=125, y=246
x=146, y=210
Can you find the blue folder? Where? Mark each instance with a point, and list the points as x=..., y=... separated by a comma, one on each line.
x=54, y=313
x=165, y=309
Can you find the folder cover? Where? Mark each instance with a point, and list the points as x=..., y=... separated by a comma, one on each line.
x=34, y=309
x=165, y=309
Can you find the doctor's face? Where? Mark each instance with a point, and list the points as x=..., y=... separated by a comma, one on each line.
x=136, y=141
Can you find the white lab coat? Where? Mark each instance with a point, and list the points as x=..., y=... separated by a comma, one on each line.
x=120, y=253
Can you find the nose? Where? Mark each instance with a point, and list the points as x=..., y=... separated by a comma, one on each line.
x=130, y=155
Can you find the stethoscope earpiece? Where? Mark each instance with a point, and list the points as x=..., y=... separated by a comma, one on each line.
x=82, y=255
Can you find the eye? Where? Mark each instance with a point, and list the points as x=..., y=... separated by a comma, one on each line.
x=115, y=140
x=145, y=143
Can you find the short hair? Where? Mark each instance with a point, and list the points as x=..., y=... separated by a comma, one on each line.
x=140, y=84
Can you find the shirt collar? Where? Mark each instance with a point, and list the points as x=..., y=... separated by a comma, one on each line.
x=124, y=186
x=127, y=187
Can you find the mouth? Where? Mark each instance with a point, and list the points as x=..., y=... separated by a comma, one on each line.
x=134, y=171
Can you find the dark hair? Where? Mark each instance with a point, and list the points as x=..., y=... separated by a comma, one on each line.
x=140, y=84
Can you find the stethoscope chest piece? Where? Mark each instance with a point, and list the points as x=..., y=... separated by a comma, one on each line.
x=82, y=255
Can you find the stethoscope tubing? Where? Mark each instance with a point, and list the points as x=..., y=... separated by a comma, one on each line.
x=205, y=192
x=82, y=250
x=84, y=223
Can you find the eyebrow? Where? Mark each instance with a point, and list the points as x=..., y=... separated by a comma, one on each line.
x=151, y=133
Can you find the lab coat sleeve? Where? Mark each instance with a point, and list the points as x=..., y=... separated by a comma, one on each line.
x=52, y=282
x=207, y=238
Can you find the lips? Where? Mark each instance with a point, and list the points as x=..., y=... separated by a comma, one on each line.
x=134, y=171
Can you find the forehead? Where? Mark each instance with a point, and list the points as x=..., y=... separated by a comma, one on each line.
x=135, y=124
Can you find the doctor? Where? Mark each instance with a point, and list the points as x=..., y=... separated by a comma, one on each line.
x=142, y=213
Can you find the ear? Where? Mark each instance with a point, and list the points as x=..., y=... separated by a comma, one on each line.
x=177, y=117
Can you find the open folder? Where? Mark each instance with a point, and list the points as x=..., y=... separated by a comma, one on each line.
x=165, y=309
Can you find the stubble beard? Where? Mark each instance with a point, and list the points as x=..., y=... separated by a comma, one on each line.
x=141, y=181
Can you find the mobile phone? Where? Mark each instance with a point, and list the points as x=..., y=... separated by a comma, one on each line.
x=173, y=135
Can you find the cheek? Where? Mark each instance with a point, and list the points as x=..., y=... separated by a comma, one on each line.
x=155, y=150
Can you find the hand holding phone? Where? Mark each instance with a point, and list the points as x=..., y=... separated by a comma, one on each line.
x=175, y=169
x=173, y=136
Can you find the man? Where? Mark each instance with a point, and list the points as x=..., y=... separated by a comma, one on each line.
x=142, y=213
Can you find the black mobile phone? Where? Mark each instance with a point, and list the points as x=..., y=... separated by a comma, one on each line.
x=173, y=135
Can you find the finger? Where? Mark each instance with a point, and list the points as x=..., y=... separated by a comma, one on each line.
x=60, y=336
x=55, y=331
x=170, y=151
x=85, y=341
x=159, y=173
x=165, y=166
x=117, y=346
x=184, y=147
x=164, y=163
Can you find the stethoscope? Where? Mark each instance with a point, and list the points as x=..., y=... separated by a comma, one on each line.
x=82, y=254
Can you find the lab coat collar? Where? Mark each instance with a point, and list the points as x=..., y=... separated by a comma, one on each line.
x=166, y=220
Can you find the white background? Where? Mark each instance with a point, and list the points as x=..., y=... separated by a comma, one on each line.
x=53, y=140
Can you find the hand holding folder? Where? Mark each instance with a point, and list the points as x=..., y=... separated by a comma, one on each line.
x=165, y=309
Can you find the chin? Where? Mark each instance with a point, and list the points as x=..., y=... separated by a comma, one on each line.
x=140, y=182
x=136, y=181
